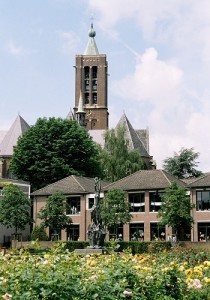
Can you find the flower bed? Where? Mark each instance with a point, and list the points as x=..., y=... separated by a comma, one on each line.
x=60, y=274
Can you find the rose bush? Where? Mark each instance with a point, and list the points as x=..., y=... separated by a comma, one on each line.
x=60, y=274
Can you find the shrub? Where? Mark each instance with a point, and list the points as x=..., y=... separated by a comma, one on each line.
x=39, y=234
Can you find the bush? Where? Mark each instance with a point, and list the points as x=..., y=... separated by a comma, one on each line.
x=39, y=234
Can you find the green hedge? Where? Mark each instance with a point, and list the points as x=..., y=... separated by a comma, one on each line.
x=123, y=246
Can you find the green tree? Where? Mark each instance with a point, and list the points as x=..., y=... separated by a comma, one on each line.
x=53, y=213
x=176, y=209
x=15, y=208
x=116, y=159
x=182, y=165
x=115, y=209
x=53, y=149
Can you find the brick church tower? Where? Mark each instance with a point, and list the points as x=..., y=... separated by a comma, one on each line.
x=91, y=85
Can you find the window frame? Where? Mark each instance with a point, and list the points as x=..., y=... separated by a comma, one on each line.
x=134, y=203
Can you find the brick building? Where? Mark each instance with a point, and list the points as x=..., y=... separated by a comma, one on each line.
x=144, y=190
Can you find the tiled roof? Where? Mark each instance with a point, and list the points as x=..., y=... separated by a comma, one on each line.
x=202, y=181
x=132, y=137
x=145, y=180
x=18, y=128
x=70, y=185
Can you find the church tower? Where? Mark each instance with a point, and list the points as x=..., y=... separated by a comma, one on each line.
x=91, y=81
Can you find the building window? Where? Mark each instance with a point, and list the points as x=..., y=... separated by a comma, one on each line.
x=136, y=231
x=203, y=200
x=73, y=205
x=155, y=201
x=95, y=83
x=137, y=202
x=73, y=232
x=94, y=98
x=90, y=203
x=87, y=98
x=87, y=72
x=157, y=232
x=204, y=232
x=87, y=85
x=94, y=72
x=116, y=232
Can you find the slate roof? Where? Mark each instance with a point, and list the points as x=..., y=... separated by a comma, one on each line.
x=2, y=135
x=70, y=185
x=145, y=180
x=18, y=128
x=98, y=136
x=132, y=137
x=201, y=181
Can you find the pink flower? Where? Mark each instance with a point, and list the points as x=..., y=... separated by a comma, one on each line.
x=197, y=284
x=127, y=293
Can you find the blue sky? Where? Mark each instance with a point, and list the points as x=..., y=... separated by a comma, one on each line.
x=158, y=53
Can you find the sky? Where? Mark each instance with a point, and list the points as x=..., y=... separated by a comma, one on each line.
x=158, y=54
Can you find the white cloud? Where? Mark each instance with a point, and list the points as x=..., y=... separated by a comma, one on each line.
x=13, y=49
x=153, y=81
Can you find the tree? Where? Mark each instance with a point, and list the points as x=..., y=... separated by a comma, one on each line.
x=116, y=159
x=53, y=213
x=15, y=208
x=175, y=210
x=115, y=209
x=183, y=164
x=53, y=149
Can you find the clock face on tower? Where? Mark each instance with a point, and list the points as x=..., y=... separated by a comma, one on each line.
x=90, y=115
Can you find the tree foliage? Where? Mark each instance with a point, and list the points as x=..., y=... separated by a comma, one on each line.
x=15, y=208
x=116, y=159
x=53, y=213
x=115, y=208
x=182, y=164
x=175, y=209
x=53, y=149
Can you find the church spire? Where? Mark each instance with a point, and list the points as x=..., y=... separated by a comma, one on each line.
x=91, y=48
x=80, y=114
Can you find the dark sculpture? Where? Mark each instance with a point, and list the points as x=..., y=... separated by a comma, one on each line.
x=96, y=230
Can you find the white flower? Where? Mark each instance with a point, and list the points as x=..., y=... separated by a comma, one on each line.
x=7, y=296
x=127, y=293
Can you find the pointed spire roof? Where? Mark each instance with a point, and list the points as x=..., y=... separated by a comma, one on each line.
x=132, y=137
x=80, y=106
x=70, y=115
x=91, y=48
x=18, y=128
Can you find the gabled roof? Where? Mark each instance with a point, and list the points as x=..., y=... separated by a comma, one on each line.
x=145, y=180
x=201, y=181
x=132, y=137
x=91, y=48
x=70, y=185
x=18, y=128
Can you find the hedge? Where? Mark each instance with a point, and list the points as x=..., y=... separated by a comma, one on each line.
x=123, y=246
